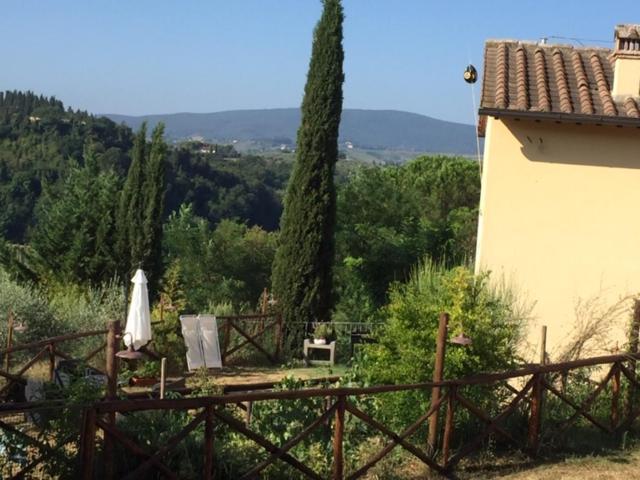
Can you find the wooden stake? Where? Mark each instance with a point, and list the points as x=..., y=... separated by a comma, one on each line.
x=163, y=376
x=52, y=361
x=7, y=357
x=633, y=349
x=338, y=433
x=87, y=444
x=535, y=416
x=113, y=332
x=448, y=425
x=438, y=370
x=615, y=398
x=543, y=345
x=208, y=444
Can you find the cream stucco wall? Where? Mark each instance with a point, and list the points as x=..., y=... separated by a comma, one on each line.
x=560, y=219
x=626, y=77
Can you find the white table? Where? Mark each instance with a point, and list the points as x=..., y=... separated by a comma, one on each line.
x=309, y=345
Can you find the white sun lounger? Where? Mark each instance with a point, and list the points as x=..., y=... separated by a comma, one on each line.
x=200, y=334
x=210, y=342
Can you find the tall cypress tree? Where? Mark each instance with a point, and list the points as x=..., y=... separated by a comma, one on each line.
x=154, y=190
x=139, y=227
x=130, y=209
x=302, y=272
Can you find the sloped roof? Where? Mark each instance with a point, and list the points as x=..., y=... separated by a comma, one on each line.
x=560, y=82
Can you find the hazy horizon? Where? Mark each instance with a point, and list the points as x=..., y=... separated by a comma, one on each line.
x=153, y=57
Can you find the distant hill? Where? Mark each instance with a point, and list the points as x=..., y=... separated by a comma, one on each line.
x=365, y=129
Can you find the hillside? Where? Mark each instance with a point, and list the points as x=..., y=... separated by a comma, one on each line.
x=365, y=129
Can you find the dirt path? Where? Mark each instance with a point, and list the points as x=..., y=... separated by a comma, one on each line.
x=620, y=465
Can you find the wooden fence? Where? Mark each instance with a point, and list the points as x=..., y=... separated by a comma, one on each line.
x=46, y=350
x=236, y=337
x=532, y=382
x=528, y=391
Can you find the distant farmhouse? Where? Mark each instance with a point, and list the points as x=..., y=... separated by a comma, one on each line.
x=560, y=202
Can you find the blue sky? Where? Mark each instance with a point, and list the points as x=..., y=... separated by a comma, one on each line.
x=160, y=56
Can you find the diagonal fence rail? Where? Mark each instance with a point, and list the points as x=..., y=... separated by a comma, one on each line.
x=535, y=407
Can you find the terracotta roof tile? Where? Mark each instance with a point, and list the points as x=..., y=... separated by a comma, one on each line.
x=559, y=81
x=542, y=84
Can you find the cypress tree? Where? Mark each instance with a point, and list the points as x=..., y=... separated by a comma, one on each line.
x=130, y=209
x=302, y=271
x=139, y=227
x=154, y=190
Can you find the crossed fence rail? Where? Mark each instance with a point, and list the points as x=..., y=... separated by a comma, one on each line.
x=526, y=393
x=534, y=382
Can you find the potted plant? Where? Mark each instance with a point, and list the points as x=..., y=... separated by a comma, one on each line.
x=321, y=334
x=146, y=374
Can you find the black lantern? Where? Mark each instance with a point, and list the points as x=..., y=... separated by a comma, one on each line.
x=470, y=74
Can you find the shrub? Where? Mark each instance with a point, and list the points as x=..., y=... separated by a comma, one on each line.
x=406, y=342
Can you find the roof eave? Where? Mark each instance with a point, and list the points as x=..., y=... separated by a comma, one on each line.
x=563, y=117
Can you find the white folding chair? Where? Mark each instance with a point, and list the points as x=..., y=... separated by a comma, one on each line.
x=191, y=335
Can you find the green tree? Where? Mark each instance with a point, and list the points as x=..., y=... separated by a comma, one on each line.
x=302, y=276
x=139, y=239
x=130, y=209
x=154, y=191
x=230, y=264
x=75, y=228
x=391, y=217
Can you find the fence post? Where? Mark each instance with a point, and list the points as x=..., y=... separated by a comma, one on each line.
x=338, y=432
x=279, y=337
x=535, y=416
x=113, y=332
x=448, y=425
x=52, y=361
x=87, y=443
x=634, y=333
x=438, y=370
x=208, y=443
x=615, y=397
x=7, y=358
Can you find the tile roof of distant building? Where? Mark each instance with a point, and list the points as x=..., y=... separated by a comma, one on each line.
x=561, y=82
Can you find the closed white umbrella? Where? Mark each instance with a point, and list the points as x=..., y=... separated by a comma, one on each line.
x=138, y=328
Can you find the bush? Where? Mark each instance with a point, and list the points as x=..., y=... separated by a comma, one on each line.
x=28, y=305
x=406, y=342
x=60, y=310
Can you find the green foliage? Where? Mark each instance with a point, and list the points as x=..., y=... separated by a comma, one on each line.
x=322, y=330
x=167, y=336
x=247, y=189
x=406, y=342
x=391, y=217
x=28, y=305
x=302, y=272
x=148, y=369
x=40, y=142
x=139, y=219
x=154, y=192
x=229, y=264
x=57, y=311
x=279, y=421
x=75, y=230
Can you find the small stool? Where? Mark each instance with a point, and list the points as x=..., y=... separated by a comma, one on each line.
x=308, y=345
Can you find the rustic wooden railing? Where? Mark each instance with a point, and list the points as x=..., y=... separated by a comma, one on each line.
x=528, y=391
x=237, y=337
x=46, y=350
x=526, y=386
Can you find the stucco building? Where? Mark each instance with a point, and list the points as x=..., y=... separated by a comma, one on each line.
x=560, y=203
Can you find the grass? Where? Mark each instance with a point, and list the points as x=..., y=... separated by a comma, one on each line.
x=609, y=466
